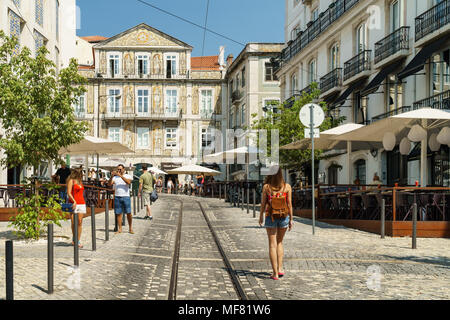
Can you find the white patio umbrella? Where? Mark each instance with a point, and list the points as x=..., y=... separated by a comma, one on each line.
x=194, y=169
x=155, y=170
x=400, y=125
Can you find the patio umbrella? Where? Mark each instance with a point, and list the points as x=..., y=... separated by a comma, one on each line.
x=155, y=170
x=194, y=169
x=400, y=125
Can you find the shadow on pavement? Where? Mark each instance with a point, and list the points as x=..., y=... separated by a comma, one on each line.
x=440, y=261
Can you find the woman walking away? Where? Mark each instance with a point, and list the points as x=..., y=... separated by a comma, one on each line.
x=75, y=190
x=276, y=203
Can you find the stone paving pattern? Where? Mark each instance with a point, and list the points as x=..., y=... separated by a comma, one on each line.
x=336, y=263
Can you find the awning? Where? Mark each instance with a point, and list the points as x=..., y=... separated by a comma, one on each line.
x=421, y=58
x=380, y=77
x=348, y=91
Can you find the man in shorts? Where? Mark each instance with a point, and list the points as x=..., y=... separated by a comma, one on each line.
x=122, y=201
x=146, y=182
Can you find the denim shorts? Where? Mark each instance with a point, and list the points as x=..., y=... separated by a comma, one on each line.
x=122, y=205
x=277, y=223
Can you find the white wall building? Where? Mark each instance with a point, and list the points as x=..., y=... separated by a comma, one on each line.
x=36, y=23
x=371, y=59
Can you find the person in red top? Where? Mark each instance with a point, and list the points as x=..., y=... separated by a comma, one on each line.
x=75, y=191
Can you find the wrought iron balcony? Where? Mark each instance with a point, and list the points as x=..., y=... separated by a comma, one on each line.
x=439, y=101
x=357, y=64
x=331, y=80
x=391, y=113
x=314, y=29
x=393, y=43
x=177, y=115
x=433, y=19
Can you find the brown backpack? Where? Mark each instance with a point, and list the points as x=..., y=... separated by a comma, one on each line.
x=278, y=207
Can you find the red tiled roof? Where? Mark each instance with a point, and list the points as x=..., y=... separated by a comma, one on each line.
x=205, y=63
x=94, y=38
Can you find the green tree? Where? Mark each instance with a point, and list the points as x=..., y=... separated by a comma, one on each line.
x=285, y=118
x=37, y=119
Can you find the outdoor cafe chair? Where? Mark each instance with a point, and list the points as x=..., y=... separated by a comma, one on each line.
x=437, y=202
x=4, y=196
x=387, y=206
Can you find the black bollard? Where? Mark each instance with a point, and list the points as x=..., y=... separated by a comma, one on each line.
x=93, y=231
x=220, y=191
x=9, y=270
x=414, y=227
x=242, y=199
x=107, y=219
x=383, y=217
x=134, y=203
x=226, y=195
x=254, y=202
x=123, y=219
x=76, y=253
x=212, y=190
x=248, y=199
x=50, y=258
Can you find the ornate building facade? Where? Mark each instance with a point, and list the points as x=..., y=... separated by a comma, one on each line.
x=147, y=92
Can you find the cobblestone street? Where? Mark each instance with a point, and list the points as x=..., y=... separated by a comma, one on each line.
x=336, y=263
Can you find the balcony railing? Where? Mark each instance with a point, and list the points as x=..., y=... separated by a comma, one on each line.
x=331, y=80
x=439, y=101
x=79, y=114
x=433, y=19
x=236, y=95
x=177, y=115
x=391, y=113
x=314, y=29
x=179, y=74
x=357, y=64
x=393, y=43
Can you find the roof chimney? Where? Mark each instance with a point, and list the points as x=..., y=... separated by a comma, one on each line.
x=229, y=60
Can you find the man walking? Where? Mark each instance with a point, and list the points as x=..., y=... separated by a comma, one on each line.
x=122, y=202
x=60, y=177
x=146, y=182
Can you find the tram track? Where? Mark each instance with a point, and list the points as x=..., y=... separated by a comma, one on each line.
x=172, y=295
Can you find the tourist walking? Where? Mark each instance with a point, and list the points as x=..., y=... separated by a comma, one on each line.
x=146, y=182
x=122, y=202
x=75, y=191
x=200, y=183
x=276, y=205
x=169, y=186
x=159, y=184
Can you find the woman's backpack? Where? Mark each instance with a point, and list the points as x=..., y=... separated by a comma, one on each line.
x=278, y=206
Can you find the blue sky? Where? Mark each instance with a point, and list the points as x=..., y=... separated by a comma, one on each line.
x=241, y=20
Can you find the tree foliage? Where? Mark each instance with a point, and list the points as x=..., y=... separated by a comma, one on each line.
x=36, y=105
x=285, y=118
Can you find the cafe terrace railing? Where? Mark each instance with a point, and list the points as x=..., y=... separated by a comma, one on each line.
x=364, y=203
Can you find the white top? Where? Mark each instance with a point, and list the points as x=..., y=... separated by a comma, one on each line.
x=122, y=189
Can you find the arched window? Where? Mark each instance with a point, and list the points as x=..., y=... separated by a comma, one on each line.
x=312, y=71
x=361, y=38
x=334, y=57
x=293, y=83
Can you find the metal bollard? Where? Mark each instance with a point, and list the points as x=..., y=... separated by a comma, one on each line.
x=254, y=203
x=226, y=194
x=212, y=190
x=9, y=270
x=414, y=227
x=123, y=219
x=242, y=199
x=383, y=217
x=107, y=219
x=50, y=258
x=142, y=203
x=134, y=204
x=220, y=191
x=93, y=231
x=76, y=253
x=248, y=200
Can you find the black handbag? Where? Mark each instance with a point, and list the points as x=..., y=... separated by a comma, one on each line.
x=154, y=196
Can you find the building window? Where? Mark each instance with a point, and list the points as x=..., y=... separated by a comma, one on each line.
x=360, y=171
x=114, y=64
x=114, y=134
x=57, y=19
x=395, y=15
x=315, y=14
x=361, y=38
x=39, y=12
x=15, y=29
x=243, y=77
x=270, y=106
x=359, y=108
x=243, y=115
x=293, y=83
x=171, y=66
x=39, y=41
x=143, y=98
x=395, y=93
x=142, y=138
x=142, y=61
x=440, y=72
x=269, y=74
x=312, y=71
x=206, y=102
x=334, y=57
x=171, y=138
x=57, y=59
x=206, y=138
x=171, y=101
x=238, y=81
x=231, y=119
x=114, y=102
x=16, y=3
x=80, y=106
